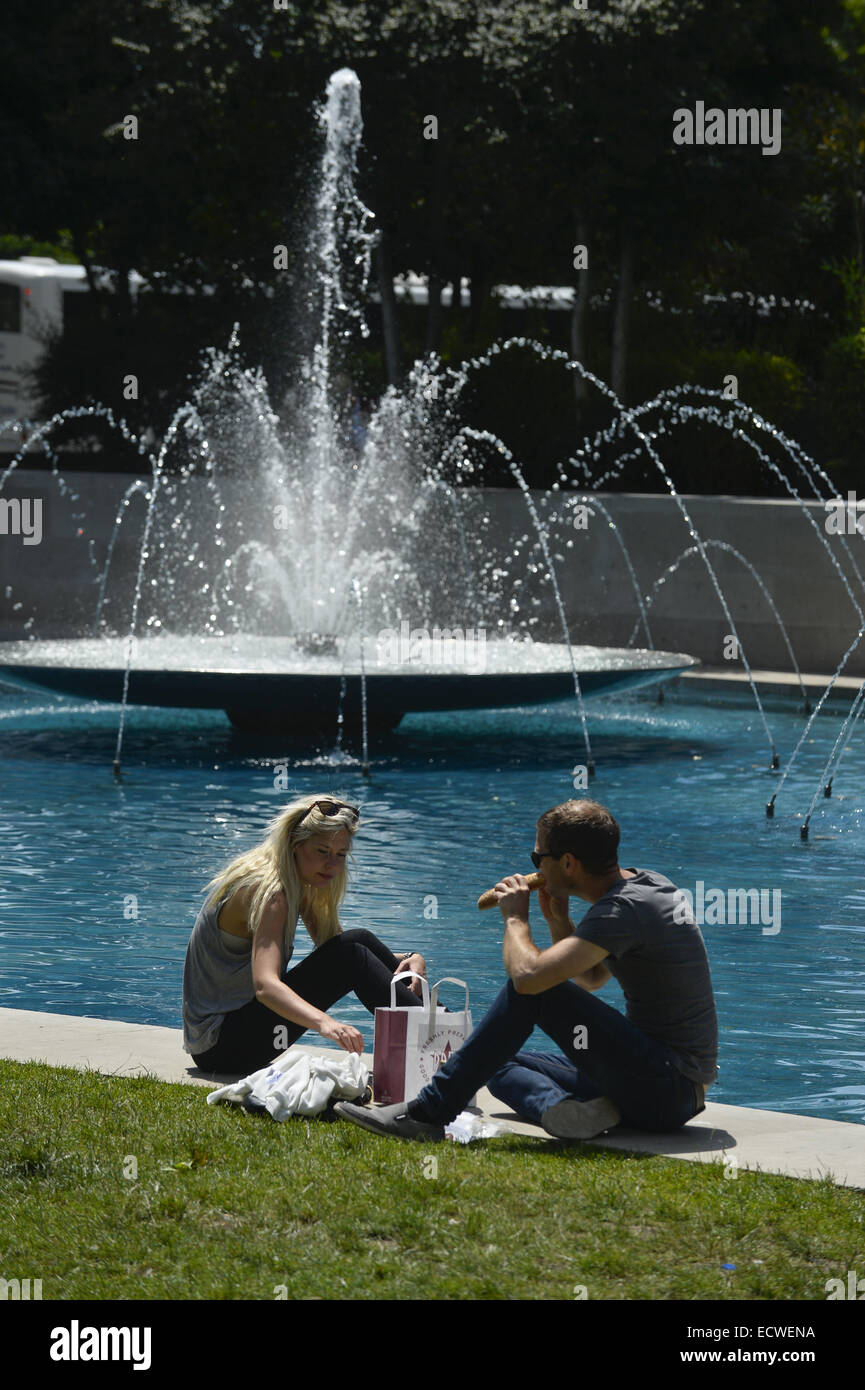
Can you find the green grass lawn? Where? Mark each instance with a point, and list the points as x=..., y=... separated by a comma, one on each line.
x=121, y=1188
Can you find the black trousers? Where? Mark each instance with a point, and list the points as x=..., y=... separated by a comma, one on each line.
x=253, y=1035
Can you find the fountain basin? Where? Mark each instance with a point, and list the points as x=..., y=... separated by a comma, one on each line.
x=452, y=813
x=272, y=679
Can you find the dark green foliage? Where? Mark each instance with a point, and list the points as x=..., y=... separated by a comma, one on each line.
x=844, y=393
x=554, y=126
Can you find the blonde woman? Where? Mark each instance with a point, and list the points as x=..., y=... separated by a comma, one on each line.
x=241, y=1004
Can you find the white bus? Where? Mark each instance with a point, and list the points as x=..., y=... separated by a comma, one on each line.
x=33, y=293
x=37, y=297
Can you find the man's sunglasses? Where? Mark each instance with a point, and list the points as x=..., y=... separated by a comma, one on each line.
x=330, y=808
x=536, y=857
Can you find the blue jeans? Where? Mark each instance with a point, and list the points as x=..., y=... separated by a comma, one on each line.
x=615, y=1059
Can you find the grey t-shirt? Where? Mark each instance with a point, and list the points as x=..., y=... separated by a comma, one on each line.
x=662, y=967
x=217, y=977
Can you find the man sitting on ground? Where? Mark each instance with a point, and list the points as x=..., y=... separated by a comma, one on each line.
x=647, y=1069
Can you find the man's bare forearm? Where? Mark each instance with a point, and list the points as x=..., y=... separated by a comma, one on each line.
x=560, y=930
x=518, y=949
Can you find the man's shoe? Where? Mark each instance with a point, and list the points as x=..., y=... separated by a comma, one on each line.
x=389, y=1119
x=581, y=1119
x=329, y=1111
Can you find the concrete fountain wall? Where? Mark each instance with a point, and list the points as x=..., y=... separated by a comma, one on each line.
x=55, y=582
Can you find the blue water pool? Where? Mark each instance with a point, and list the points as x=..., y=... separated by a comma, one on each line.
x=101, y=882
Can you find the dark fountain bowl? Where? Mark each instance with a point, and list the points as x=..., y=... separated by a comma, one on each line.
x=278, y=683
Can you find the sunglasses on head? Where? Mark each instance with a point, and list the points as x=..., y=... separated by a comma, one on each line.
x=330, y=808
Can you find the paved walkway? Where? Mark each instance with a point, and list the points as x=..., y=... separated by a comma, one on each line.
x=720, y=677
x=767, y=1140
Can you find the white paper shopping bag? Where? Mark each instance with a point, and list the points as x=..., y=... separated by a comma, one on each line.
x=412, y=1043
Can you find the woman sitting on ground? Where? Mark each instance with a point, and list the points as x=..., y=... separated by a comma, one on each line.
x=242, y=1006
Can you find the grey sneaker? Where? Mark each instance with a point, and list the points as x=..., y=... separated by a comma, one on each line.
x=581, y=1119
x=389, y=1119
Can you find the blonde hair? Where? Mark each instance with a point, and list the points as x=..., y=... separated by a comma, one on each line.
x=269, y=868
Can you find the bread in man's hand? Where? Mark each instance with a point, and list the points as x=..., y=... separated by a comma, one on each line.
x=489, y=898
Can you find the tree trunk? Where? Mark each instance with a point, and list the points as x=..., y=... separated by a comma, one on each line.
x=621, y=323
x=389, y=316
x=124, y=297
x=434, y=314
x=80, y=247
x=463, y=303
x=435, y=276
x=579, y=314
x=480, y=284
x=457, y=301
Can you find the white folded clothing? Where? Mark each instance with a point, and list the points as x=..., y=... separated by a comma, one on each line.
x=299, y=1082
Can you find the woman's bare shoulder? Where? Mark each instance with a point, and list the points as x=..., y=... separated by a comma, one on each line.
x=275, y=907
x=234, y=916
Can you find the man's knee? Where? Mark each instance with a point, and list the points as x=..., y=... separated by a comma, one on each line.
x=500, y=1076
x=528, y=1006
x=521, y=1001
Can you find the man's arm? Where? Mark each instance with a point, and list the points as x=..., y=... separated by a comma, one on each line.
x=533, y=971
x=561, y=931
x=561, y=927
x=595, y=978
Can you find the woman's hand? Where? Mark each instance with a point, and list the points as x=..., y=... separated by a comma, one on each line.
x=416, y=963
x=346, y=1037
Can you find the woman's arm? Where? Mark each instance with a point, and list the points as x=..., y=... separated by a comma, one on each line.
x=415, y=962
x=271, y=990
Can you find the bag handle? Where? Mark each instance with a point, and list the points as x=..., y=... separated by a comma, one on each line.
x=445, y=980
x=410, y=974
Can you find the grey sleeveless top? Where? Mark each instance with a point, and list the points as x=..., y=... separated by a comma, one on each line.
x=217, y=977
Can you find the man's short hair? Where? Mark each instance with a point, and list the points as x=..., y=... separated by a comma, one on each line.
x=584, y=829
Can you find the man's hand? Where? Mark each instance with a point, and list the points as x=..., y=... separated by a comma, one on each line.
x=416, y=963
x=518, y=950
x=513, y=897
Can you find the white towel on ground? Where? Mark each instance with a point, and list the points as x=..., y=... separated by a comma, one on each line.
x=299, y=1083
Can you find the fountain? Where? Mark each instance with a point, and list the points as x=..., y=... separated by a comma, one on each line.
x=247, y=586
x=305, y=590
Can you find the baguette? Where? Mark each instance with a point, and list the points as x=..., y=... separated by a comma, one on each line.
x=488, y=899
